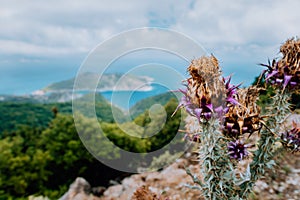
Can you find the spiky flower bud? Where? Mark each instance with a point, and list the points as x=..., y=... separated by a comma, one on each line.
x=291, y=138
x=237, y=150
x=285, y=73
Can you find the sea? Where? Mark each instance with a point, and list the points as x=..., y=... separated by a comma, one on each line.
x=27, y=81
x=24, y=83
x=122, y=99
x=127, y=99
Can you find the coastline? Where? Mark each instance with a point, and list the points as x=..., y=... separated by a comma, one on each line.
x=142, y=89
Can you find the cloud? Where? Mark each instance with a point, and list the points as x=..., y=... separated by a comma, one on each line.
x=76, y=26
x=234, y=30
x=241, y=33
x=241, y=22
x=61, y=26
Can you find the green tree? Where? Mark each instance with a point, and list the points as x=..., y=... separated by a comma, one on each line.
x=22, y=165
x=69, y=157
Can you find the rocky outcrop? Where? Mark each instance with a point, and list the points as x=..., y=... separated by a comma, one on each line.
x=169, y=183
x=79, y=190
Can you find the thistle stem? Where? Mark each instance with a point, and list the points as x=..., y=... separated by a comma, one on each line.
x=265, y=152
x=215, y=161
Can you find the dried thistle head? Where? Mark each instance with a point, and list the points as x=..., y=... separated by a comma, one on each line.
x=205, y=69
x=206, y=92
x=205, y=86
x=285, y=72
x=291, y=51
x=244, y=117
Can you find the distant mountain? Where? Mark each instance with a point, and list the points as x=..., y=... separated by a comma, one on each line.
x=107, y=83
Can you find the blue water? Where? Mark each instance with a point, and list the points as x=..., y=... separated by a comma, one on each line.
x=126, y=99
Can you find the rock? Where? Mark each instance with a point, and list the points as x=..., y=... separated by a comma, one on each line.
x=114, y=191
x=98, y=191
x=38, y=198
x=79, y=190
x=166, y=184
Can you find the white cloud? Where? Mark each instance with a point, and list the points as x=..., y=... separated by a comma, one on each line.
x=63, y=25
x=218, y=22
x=241, y=33
x=24, y=48
x=76, y=25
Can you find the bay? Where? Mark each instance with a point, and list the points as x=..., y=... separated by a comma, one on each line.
x=126, y=99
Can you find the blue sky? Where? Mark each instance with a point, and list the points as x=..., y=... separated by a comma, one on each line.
x=42, y=41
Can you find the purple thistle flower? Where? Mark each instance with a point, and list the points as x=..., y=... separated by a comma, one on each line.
x=209, y=106
x=204, y=111
x=237, y=150
x=220, y=111
x=198, y=112
x=232, y=100
x=283, y=76
x=229, y=126
x=287, y=79
x=278, y=81
x=229, y=86
x=207, y=115
x=231, y=91
x=284, y=73
x=183, y=91
x=192, y=137
x=181, y=104
x=270, y=75
x=293, y=83
x=190, y=110
x=291, y=138
x=196, y=138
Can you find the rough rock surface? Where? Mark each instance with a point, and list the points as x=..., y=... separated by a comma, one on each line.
x=79, y=190
x=170, y=182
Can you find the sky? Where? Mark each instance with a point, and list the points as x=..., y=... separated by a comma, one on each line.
x=46, y=41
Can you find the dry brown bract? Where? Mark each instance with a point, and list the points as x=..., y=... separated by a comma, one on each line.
x=291, y=53
x=205, y=86
x=243, y=118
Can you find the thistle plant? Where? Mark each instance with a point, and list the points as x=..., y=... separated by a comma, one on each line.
x=230, y=128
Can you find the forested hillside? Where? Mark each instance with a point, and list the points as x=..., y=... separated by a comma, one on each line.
x=38, y=115
x=41, y=153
